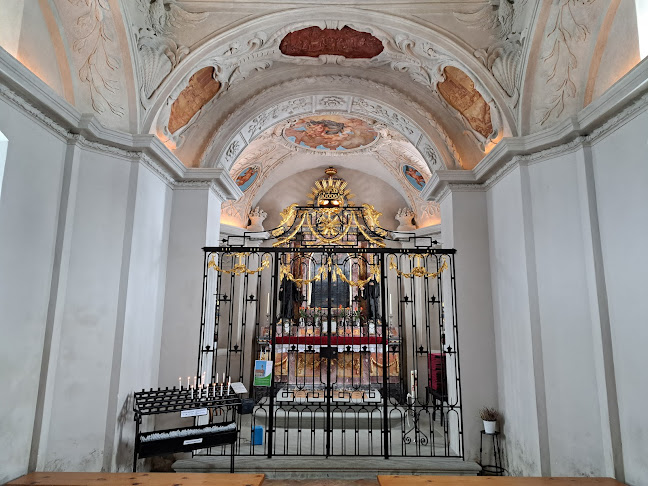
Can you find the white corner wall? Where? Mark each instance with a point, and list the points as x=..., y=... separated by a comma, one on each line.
x=512, y=314
x=620, y=163
x=568, y=262
x=29, y=206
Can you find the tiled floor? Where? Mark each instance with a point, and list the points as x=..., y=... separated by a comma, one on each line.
x=320, y=482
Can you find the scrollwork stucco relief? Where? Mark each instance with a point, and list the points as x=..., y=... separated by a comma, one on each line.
x=158, y=51
x=95, y=42
x=566, y=32
x=504, y=56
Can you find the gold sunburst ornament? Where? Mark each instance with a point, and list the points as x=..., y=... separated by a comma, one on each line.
x=329, y=217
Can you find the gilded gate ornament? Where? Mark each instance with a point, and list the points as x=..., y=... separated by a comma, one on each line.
x=419, y=270
x=239, y=268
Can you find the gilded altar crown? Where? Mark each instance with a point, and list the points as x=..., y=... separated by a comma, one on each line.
x=330, y=192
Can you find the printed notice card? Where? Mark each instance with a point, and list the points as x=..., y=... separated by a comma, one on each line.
x=262, y=373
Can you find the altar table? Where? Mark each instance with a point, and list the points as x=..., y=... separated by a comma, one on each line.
x=492, y=481
x=137, y=479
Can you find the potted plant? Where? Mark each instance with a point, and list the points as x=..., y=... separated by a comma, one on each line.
x=489, y=416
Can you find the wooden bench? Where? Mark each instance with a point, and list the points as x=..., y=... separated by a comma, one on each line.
x=492, y=481
x=137, y=479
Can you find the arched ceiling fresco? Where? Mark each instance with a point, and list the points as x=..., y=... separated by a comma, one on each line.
x=270, y=159
x=480, y=69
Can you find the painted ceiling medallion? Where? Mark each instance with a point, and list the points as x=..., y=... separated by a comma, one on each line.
x=459, y=91
x=201, y=88
x=315, y=42
x=414, y=177
x=330, y=132
x=247, y=177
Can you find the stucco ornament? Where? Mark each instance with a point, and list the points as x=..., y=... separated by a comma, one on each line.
x=257, y=216
x=405, y=218
x=158, y=51
x=503, y=57
x=565, y=34
x=95, y=42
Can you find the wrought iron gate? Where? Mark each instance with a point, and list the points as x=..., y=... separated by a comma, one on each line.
x=363, y=344
x=362, y=337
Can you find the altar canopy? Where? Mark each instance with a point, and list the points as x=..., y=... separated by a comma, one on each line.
x=359, y=324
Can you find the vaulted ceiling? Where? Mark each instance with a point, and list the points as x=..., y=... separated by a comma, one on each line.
x=208, y=77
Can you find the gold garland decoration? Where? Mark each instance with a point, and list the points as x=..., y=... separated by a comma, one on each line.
x=335, y=273
x=239, y=268
x=285, y=272
x=418, y=271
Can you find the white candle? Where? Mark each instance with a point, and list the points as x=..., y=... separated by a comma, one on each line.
x=221, y=389
x=268, y=305
x=179, y=383
x=216, y=377
x=194, y=382
x=192, y=392
x=203, y=378
x=390, y=306
x=187, y=382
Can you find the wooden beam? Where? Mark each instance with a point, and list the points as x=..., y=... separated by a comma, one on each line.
x=492, y=481
x=137, y=479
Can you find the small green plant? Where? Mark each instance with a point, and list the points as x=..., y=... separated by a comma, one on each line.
x=488, y=414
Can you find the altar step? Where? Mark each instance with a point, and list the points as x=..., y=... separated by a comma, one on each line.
x=315, y=467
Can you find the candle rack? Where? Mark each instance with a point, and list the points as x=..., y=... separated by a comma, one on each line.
x=183, y=439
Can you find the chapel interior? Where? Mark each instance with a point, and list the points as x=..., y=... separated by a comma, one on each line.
x=282, y=236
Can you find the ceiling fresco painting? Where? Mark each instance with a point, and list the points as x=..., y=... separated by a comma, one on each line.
x=414, y=177
x=460, y=93
x=331, y=132
x=247, y=177
x=315, y=42
x=201, y=88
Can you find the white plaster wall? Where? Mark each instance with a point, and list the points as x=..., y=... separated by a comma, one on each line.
x=621, y=174
x=28, y=219
x=24, y=34
x=571, y=383
x=195, y=222
x=91, y=314
x=142, y=332
x=464, y=225
x=511, y=311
